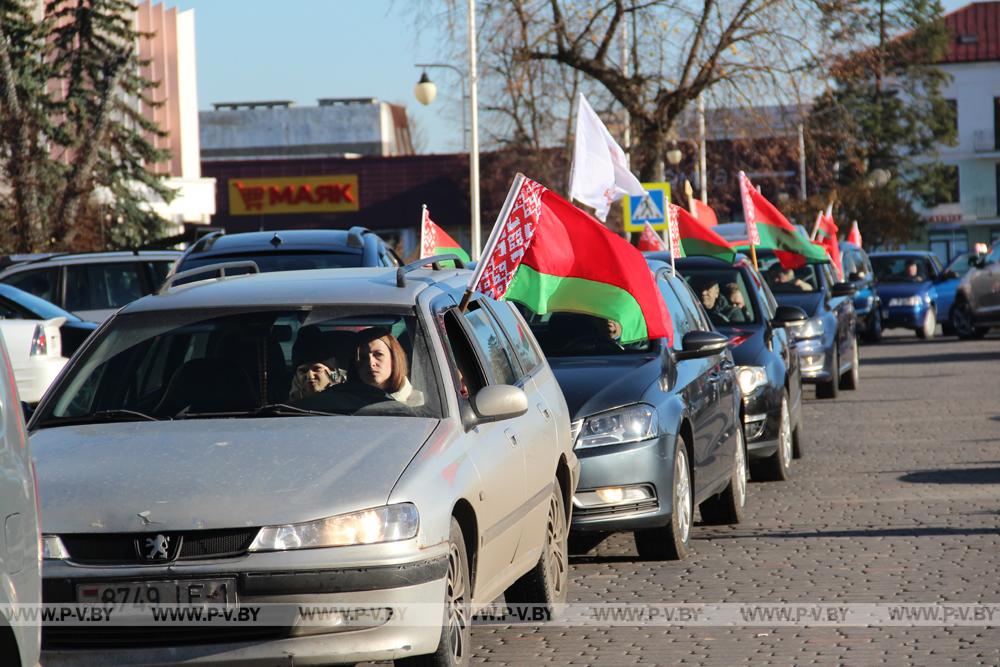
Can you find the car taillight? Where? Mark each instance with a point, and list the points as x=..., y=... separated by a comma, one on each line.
x=39, y=342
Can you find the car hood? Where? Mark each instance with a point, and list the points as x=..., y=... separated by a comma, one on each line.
x=595, y=384
x=221, y=473
x=807, y=301
x=903, y=289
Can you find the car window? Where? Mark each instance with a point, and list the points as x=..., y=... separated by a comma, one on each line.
x=572, y=334
x=40, y=282
x=518, y=333
x=692, y=306
x=724, y=295
x=680, y=318
x=283, y=261
x=231, y=363
x=902, y=268
x=849, y=262
x=158, y=271
x=8, y=311
x=101, y=286
x=781, y=280
x=492, y=345
x=960, y=264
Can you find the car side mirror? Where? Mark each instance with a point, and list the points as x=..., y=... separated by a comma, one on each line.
x=855, y=276
x=700, y=344
x=496, y=402
x=843, y=289
x=788, y=316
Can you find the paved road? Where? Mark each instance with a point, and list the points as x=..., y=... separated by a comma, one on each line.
x=897, y=500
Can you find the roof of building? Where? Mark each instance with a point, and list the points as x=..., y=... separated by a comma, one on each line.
x=975, y=32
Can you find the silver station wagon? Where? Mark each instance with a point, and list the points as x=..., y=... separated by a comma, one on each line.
x=341, y=437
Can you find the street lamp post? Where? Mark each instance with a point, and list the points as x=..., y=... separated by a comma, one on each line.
x=675, y=155
x=425, y=92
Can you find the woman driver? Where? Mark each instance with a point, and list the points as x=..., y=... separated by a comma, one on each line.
x=381, y=363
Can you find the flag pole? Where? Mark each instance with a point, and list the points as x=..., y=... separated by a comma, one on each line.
x=491, y=242
x=423, y=227
x=689, y=191
x=819, y=216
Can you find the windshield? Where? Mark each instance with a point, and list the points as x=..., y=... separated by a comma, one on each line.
x=39, y=307
x=780, y=280
x=242, y=363
x=723, y=293
x=902, y=268
x=568, y=334
x=283, y=261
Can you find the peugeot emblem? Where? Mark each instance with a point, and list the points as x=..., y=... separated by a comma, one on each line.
x=157, y=547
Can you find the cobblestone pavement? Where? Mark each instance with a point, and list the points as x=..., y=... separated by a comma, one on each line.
x=896, y=500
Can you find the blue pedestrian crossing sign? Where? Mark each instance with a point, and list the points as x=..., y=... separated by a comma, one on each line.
x=650, y=208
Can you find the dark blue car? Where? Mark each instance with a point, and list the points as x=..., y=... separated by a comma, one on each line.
x=908, y=283
x=857, y=270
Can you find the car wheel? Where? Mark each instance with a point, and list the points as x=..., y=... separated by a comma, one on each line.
x=672, y=542
x=728, y=506
x=455, y=646
x=828, y=389
x=873, y=333
x=545, y=585
x=962, y=321
x=852, y=378
x=930, y=325
x=778, y=466
x=797, y=442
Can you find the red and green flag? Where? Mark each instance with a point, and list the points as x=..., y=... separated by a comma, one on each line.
x=826, y=238
x=792, y=248
x=698, y=239
x=854, y=236
x=649, y=240
x=551, y=256
x=436, y=241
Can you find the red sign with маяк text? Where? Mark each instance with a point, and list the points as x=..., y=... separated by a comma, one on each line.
x=301, y=194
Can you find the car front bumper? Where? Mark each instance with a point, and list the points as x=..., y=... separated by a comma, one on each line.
x=34, y=377
x=903, y=317
x=647, y=464
x=270, y=583
x=762, y=422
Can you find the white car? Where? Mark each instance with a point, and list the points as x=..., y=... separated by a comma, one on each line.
x=20, y=561
x=35, y=349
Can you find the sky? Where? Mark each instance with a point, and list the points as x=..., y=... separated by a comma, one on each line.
x=302, y=50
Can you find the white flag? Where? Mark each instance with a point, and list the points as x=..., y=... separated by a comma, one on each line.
x=600, y=173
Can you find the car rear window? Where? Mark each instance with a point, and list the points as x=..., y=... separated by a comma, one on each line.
x=244, y=362
x=284, y=261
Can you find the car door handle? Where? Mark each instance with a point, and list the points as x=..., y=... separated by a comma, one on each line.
x=511, y=436
x=545, y=411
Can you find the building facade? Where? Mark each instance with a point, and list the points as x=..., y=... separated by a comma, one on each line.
x=973, y=61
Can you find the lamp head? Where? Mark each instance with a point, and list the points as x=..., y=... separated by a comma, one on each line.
x=425, y=91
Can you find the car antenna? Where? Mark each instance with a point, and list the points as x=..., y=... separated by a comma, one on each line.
x=276, y=240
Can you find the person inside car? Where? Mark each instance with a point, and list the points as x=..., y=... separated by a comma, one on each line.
x=784, y=279
x=737, y=303
x=315, y=377
x=380, y=362
x=717, y=306
x=913, y=271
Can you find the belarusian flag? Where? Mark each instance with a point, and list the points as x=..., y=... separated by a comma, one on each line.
x=703, y=213
x=697, y=239
x=649, y=240
x=826, y=238
x=435, y=241
x=854, y=236
x=793, y=249
x=551, y=256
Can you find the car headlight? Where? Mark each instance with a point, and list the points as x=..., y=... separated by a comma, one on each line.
x=906, y=301
x=614, y=427
x=750, y=378
x=812, y=328
x=380, y=524
x=53, y=548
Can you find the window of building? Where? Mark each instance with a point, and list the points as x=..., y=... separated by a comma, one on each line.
x=949, y=243
x=950, y=195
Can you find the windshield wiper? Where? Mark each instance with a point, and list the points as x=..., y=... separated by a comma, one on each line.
x=101, y=416
x=283, y=409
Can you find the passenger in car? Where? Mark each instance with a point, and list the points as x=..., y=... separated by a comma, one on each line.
x=717, y=306
x=315, y=377
x=738, y=312
x=381, y=363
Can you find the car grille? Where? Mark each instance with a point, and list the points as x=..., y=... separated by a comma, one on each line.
x=56, y=638
x=120, y=547
x=630, y=508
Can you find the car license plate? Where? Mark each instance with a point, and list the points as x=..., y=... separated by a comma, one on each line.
x=185, y=591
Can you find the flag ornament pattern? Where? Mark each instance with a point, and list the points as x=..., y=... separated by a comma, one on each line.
x=793, y=250
x=749, y=209
x=673, y=224
x=551, y=256
x=649, y=240
x=513, y=237
x=436, y=241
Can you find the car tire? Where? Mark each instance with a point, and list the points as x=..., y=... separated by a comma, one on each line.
x=873, y=332
x=851, y=380
x=929, y=327
x=797, y=442
x=673, y=541
x=546, y=584
x=962, y=321
x=455, y=646
x=828, y=389
x=729, y=506
x=778, y=466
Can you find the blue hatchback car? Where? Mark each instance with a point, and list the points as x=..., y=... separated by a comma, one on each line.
x=914, y=289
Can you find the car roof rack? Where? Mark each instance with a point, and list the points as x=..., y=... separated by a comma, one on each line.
x=355, y=236
x=434, y=261
x=221, y=268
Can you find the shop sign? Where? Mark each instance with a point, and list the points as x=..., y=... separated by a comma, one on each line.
x=300, y=194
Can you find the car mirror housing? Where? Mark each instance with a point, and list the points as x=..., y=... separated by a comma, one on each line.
x=843, y=289
x=855, y=276
x=787, y=316
x=496, y=402
x=699, y=344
